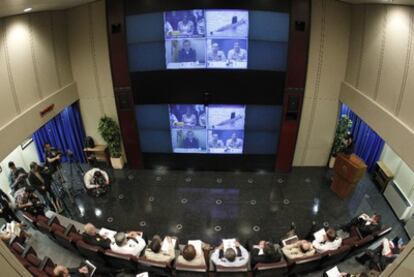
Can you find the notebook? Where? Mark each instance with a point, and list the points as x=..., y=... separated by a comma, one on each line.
x=167, y=244
x=290, y=240
x=229, y=243
x=333, y=272
x=320, y=235
x=110, y=234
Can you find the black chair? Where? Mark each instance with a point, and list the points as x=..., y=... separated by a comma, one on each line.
x=121, y=261
x=277, y=269
x=33, y=260
x=155, y=268
x=65, y=241
x=90, y=252
x=335, y=256
x=305, y=265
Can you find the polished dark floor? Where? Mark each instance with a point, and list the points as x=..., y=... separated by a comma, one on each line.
x=214, y=205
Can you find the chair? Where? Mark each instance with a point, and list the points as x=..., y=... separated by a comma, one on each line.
x=65, y=241
x=30, y=220
x=45, y=229
x=362, y=242
x=188, y=270
x=305, y=265
x=28, y=250
x=120, y=261
x=37, y=272
x=156, y=268
x=335, y=256
x=271, y=269
x=47, y=266
x=350, y=241
x=17, y=248
x=33, y=260
x=90, y=252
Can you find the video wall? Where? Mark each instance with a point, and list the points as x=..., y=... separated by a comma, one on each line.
x=206, y=39
x=201, y=129
x=209, y=129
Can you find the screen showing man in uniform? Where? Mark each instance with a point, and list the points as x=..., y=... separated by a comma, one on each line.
x=206, y=39
x=216, y=129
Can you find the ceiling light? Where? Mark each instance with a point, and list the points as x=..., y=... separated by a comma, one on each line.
x=27, y=10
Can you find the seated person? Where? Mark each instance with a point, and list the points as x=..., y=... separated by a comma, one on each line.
x=92, y=237
x=193, y=254
x=6, y=211
x=383, y=255
x=236, y=256
x=96, y=181
x=130, y=243
x=330, y=241
x=366, y=224
x=28, y=202
x=13, y=229
x=264, y=252
x=83, y=271
x=299, y=249
x=155, y=251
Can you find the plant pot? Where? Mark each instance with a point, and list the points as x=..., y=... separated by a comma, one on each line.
x=332, y=160
x=117, y=163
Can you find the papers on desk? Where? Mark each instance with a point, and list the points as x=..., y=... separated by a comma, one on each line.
x=229, y=243
x=110, y=234
x=144, y=274
x=320, y=235
x=198, y=245
x=168, y=244
x=333, y=272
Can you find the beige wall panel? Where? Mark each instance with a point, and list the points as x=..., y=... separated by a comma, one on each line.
x=354, y=51
x=335, y=50
x=42, y=40
x=374, y=19
x=298, y=158
x=80, y=51
x=19, y=52
x=60, y=33
x=396, y=45
x=101, y=48
x=90, y=117
x=7, y=106
x=30, y=120
x=396, y=133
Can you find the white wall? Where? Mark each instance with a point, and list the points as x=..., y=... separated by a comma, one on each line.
x=22, y=158
x=403, y=175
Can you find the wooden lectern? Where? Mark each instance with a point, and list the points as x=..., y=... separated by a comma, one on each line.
x=348, y=172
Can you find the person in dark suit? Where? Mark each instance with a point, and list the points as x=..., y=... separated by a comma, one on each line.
x=42, y=182
x=5, y=211
x=366, y=224
x=187, y=54
x=91, y=236
x=264, y=252
x=190, y=141
x=17, y=178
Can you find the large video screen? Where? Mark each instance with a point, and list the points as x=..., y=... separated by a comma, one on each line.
x=212, y=129
x=206, y=39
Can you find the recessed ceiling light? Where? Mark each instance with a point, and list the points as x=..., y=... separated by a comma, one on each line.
x=27, y=10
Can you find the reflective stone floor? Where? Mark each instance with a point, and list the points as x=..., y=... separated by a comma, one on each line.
x=214, y=205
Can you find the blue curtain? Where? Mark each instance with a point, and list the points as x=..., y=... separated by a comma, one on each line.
x=65, y=132
x=368, y=144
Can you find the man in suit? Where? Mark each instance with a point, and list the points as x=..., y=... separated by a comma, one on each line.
x=5, y=211
x=264, y=252
x=366, y=224
x=236, y=256
x=91, y=236
x=42, y=182
x=187, y=54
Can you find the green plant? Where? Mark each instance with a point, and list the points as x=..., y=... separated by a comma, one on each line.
x=109, y=131
x=344, y=125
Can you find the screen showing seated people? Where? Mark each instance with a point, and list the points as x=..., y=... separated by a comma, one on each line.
x=206, y=39
x=212, y=129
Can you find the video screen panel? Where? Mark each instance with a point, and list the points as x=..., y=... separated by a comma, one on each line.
x=214, y=129
x=206, y=39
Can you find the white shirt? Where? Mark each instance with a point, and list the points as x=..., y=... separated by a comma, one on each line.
x=323, y=246
x=239, y=261
x=237, y=56
x=87, y=179
x=132, y=247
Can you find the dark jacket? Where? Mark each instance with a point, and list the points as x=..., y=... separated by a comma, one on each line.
x=97, y=240
x=256, y=258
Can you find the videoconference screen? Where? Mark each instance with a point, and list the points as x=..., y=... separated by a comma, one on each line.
x=206, y=39
x=212, y=129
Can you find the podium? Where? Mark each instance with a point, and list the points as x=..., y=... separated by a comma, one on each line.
x=348, y=172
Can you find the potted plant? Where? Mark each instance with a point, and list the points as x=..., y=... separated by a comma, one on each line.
x=109, y=131
x=344, y=125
